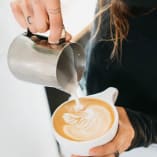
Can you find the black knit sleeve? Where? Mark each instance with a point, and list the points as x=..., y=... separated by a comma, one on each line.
x=145, y=129
x=142, y=3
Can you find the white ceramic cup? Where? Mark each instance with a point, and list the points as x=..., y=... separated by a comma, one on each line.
x=69, y=147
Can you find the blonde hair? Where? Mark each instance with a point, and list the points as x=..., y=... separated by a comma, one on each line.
x=119, y=26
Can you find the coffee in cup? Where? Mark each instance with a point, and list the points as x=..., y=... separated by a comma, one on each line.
x=77, y=131
x=93, y=121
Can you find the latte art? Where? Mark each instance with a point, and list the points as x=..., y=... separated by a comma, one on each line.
x=81, y=126
x=93, y=121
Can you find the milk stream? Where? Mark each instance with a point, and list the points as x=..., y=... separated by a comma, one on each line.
x=72, y=87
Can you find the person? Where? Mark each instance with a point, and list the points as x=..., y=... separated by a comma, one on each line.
x=121, y=53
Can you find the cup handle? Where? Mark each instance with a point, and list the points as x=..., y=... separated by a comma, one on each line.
x=109, y=95
x=112, y=93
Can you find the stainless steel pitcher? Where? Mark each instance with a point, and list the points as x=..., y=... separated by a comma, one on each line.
x=31, y=58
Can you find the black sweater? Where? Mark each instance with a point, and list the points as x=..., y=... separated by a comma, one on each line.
x=135, y=75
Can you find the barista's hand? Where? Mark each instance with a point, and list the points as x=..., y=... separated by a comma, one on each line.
x=120, y=143
x=40, y=16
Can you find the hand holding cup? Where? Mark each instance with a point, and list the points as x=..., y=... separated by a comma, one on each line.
x=120, y=142
x=95, y=125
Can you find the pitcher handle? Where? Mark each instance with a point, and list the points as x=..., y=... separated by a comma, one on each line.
x=29, y=34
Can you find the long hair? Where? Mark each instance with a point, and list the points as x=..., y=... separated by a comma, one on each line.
x=118, y=22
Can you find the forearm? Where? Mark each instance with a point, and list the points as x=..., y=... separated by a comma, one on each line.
x=142, y=3
x=145, y=129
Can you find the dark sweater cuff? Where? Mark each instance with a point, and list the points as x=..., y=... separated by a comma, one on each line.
x=142, y=125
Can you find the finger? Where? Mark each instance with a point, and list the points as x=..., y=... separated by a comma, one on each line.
x=109, y=148
x=106, y=149
x=28, y=15
x=110, y=155
x=68, y=36
x=77, y=156
x=40, y=16
x=18, y=14
x=55, y=19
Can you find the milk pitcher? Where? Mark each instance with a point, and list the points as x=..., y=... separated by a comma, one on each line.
x=31, y=58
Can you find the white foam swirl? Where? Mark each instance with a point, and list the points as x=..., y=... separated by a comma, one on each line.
x=88, y=124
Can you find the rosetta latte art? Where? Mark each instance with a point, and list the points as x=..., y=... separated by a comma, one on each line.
x=87, y=124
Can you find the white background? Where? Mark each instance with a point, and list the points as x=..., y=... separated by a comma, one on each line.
x=25, y=128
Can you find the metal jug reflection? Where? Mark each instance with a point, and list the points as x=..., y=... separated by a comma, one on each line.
x=31, y=58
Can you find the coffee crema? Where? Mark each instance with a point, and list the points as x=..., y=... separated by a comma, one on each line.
x=92, y=122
